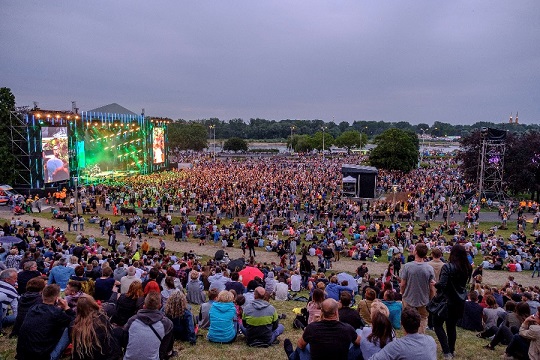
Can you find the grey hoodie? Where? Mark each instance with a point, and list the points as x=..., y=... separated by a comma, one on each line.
x=143, y=343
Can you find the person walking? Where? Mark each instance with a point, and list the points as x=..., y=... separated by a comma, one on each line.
x=452, y=283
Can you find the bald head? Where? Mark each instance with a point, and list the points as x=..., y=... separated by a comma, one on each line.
x=329, y=309
x=259, y=293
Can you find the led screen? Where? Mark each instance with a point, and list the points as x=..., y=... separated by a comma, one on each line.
x=54, y=145
x=158, y=145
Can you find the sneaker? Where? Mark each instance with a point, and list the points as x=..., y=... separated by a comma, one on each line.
x=488, y=347
x=288, y=346
x=282, y=316
x=448, y=356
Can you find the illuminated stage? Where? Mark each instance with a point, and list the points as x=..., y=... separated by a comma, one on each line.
x=92, y=146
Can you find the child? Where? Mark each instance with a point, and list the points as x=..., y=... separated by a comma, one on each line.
x=239, y=301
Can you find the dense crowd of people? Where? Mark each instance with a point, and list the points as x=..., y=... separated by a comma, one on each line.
x=132, y=300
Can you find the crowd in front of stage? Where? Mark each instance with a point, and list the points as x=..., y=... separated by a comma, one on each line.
x=127, y=291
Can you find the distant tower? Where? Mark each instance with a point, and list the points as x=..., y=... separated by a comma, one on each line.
x=510, y=118
x=517, y=122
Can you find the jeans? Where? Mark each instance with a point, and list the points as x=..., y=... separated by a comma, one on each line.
x=305, y=354
x=60, y=346
x=503, y=336
x=279, y=330
x=448, y=338
x=6, y=320
x=518, y=347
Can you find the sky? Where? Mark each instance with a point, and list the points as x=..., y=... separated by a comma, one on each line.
x=418, y=61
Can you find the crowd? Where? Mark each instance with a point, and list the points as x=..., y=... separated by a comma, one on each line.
x=113, y=295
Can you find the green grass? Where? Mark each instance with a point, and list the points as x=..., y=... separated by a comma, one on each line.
x=468, y=345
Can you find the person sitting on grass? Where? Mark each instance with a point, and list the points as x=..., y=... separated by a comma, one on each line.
x=412, y=346
x=204, y=311
x=261, y=321
x=223, y=325
x=328, y=338
x=179, y=312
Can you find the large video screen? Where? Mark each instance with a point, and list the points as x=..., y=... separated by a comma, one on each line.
x=54, y=144
x=158, y=145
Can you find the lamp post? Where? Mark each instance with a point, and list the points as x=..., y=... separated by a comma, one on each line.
x=323, y=130
x=361, y=139
x=422, y=151
x=213, y=127
x=292, y=131
x=76, y=185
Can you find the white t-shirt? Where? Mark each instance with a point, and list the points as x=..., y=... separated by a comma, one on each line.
x=282, y=291
x=296, y=282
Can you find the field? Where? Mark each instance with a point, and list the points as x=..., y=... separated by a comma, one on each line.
x=469, y=346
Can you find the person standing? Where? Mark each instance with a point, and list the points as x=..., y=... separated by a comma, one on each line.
x=417, y=280
x=436, y=262
x=452, y=283
x=251, y=246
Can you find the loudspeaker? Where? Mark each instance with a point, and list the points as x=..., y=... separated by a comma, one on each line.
x=366, y=182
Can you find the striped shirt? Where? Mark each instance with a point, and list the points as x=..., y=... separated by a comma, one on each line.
x=10, y=297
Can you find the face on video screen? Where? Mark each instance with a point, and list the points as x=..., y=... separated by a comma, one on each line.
x=158, y=145
x=54, y=145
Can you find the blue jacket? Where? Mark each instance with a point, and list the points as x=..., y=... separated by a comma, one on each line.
x=222, y=322
x=333, y=290
x=183, y=328
x=60, y=275
x=395, y=308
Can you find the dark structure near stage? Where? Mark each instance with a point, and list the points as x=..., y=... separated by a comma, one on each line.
x=491, y=165
x=359, y=181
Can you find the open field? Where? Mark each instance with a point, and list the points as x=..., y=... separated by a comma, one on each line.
x=469, y=346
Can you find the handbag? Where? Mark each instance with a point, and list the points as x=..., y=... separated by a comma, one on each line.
x=438, y=306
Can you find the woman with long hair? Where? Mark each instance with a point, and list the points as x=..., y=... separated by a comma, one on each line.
x=452, y=283
x=128, y=304
x=379, y=334
x=92, y=334
x=179, y=312
x=314, y=306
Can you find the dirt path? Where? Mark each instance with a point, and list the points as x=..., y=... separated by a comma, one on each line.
x=496, y=278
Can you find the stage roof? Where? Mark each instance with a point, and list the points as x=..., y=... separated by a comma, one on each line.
x=113, y=108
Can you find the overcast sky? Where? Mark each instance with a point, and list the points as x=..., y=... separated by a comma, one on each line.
x=416, y=61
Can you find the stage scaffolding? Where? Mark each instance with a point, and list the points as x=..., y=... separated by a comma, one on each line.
x=26, y=148
x=52, y=148
x=491, y=164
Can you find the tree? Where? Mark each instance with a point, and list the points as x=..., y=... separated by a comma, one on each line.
x=7, y=104
x=302, y=143
x=188, y=136
x=395, y=150
x=317, y=140
x=350, y=139
x=235, y=144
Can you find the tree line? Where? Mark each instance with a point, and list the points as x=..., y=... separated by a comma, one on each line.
x=194, y=134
